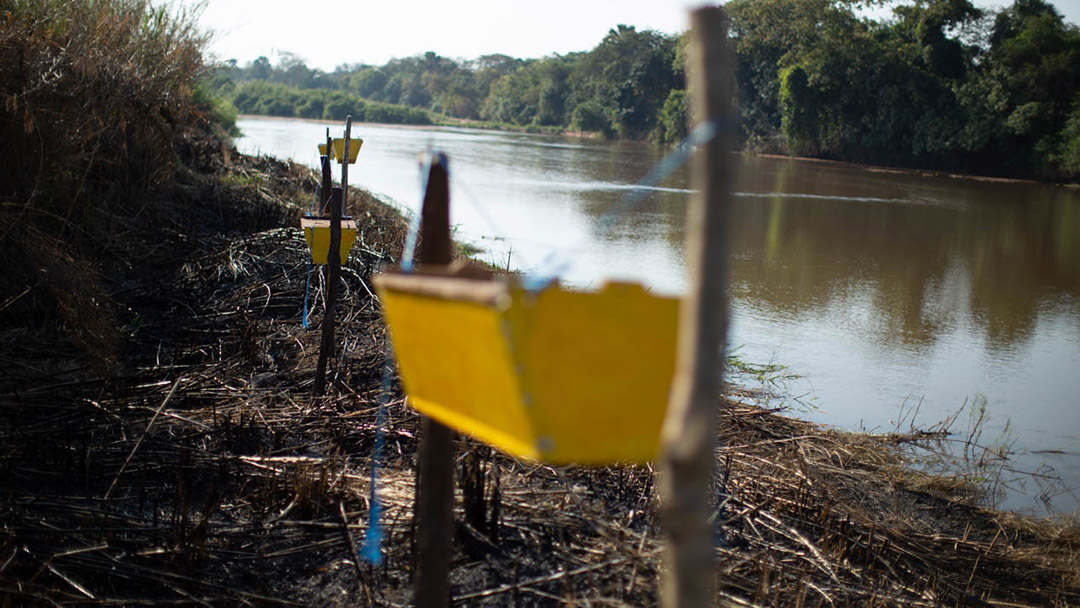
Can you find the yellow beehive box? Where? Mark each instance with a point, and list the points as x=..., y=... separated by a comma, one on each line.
x=558, y=376
x=317, y=234
x=338, y=149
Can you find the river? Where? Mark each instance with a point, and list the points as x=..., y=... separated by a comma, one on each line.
x=893, y=300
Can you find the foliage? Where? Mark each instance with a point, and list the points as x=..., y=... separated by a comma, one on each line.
x=95, y=93
x=798, y=107
x=1035, y=60
x=940, y=85
x=214, y=91
x=271, y=99
x=100, y=107
x=618, y=88
x=1068, y=154
x=630, y=74
x=673, y=117
x=590, y=117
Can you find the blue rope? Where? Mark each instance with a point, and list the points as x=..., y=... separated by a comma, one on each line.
x=307, y=290
x=555, y=265
x=372, y=549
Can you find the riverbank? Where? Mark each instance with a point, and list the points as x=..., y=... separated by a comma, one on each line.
x=193, y=466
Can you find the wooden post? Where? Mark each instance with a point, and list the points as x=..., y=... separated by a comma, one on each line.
x=333, y=256
x=333, y=263
x=689, y=433
x=325, y=192
x=435, y=466
x=327, y=176
x=345, y=165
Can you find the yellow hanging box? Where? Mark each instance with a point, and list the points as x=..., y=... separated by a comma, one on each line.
x=317, y=234
x=338, y=149
x=558, y=376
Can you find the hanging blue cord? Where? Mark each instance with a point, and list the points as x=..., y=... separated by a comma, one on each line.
x=372, y=549
x=307, y=291
x=307, y=286
x=555, y=265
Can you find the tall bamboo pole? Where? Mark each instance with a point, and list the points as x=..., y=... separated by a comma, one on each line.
x=689, y=433
x=435, y=466
x=327, y=176
x=345, y=165
x=333, y=269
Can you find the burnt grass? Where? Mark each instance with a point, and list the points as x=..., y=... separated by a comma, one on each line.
x=160, y=445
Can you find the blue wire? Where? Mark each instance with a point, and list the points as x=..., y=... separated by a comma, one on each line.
x=372, y=549
x=307, y=290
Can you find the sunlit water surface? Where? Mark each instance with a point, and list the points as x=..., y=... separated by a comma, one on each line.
x=894, y=296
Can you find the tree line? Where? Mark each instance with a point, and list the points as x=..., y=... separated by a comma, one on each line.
x=940, y=84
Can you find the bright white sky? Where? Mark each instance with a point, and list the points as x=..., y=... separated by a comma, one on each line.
x=327, y=33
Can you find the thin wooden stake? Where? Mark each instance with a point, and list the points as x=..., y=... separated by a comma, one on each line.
x=435, y=466
x=333, y=269
x=345, y=165
x=689, y=433
x=327, y=176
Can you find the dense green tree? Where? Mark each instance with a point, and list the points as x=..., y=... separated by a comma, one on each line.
x=293, y=72
x=925, y=25
x=1035, y=58
x=368, y=82
x=534, y=94
x=673, y=117
x=821, y=80
x=590, y=116
x=770, y=35
x=1067, y=156
x=630, y=73
x=260, y=69
x=799, y=111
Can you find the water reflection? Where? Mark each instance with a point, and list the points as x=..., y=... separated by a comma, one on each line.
x=881, y=288
x=926, y=251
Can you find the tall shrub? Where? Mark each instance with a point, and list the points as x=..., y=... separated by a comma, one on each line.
x=95, y=95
